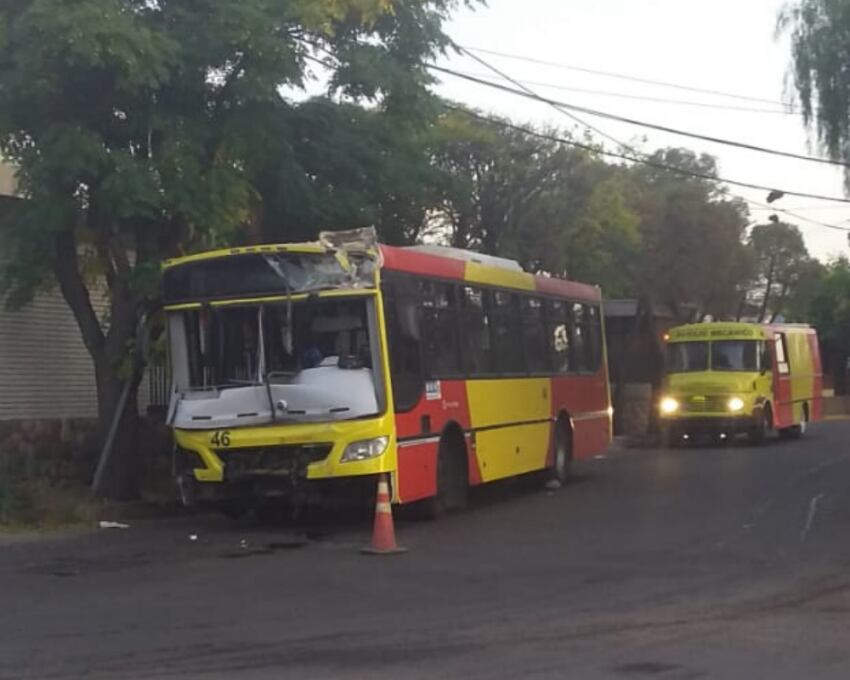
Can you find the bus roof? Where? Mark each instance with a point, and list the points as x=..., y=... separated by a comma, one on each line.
x=731, y=330
x=415, y=261
x=428, y=263
x=244, y=250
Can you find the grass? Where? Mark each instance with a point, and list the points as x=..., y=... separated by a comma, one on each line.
x=34, y=504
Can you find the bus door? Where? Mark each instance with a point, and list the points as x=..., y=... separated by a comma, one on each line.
x=783, y=406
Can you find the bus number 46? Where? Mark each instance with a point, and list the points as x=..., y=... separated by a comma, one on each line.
x=220, y=439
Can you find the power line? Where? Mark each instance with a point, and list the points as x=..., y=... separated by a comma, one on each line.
x=641, y=158
x=661, y=100
x=635, y=159
x=531, y=93
x=807, y=208
x=791, y=213
x=525, y=92
x=621, y=76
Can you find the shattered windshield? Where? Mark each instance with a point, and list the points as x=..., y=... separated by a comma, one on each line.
x=225, y=348
x=274, y=273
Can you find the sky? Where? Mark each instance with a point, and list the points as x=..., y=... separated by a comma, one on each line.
x=723, y=45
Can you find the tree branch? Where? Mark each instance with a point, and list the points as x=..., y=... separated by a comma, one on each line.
x=67, y=271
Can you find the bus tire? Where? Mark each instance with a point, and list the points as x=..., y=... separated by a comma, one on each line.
x=758, y=433
x=452, y=492
x=562, y=455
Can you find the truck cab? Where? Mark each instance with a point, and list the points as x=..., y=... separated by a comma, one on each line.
x=726, y=379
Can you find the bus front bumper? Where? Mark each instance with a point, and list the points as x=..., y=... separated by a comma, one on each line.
x=710, y=425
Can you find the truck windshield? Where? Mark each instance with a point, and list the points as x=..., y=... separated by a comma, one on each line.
x=687, y=357
x=722, y=355
x=734, y=355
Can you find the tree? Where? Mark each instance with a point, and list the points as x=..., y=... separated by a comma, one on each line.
x=346, y=166
x=810, y=276
x=142, y=129
x=693, y=257
x=507, y=192
x=820, y=42
x=781, y=259
x=830, y=314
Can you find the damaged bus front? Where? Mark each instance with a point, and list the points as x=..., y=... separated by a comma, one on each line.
x=279, y=374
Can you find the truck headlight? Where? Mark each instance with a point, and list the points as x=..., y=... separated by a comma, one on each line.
x=366, y=449
x=669, y=406
x=735, y=404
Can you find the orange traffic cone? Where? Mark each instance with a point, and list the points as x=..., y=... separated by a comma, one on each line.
x=383, y=533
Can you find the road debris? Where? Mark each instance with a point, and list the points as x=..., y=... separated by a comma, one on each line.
x=103, y=524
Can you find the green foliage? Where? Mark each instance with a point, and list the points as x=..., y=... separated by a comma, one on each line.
x=342, y=167
x=830, y=307
x=692, y=257
x=783, y=268
x=144, y=129
x=820, y=43
x=637, y=231
x=553, y=208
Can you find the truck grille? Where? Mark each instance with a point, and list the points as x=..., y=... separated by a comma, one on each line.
x=705, y=404
x=271, y=460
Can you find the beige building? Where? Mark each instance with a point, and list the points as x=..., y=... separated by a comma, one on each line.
x=46, y=372
x=7, y=179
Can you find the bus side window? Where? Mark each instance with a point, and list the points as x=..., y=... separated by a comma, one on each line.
x=593, y=325
x=559, y=338
x=506, y=333
x=403, y=343
x=580, y=343
x=781, y=354
x=477, y=349
x=440, y=329
x=534, y=336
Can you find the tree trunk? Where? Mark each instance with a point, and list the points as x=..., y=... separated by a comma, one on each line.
x=777, y=310
x=768, y=286
x=107, y=351
x=121, y=475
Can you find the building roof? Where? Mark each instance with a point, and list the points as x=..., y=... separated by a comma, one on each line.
x=627, y=309
x=8, y=184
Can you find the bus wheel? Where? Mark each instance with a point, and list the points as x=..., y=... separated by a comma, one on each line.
x=452, y=492
x=759, y=431
x=562, y=456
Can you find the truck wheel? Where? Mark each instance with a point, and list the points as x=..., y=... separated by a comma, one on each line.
x=759, y=431
x=667, y=436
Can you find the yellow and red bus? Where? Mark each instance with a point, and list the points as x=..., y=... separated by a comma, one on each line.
x=727, y=378
x=300, y=366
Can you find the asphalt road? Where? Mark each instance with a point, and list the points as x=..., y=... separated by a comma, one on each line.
x=693, y=563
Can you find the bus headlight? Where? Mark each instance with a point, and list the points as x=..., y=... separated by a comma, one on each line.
x=669, y=406
x=366, y=449
x=735, y=404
